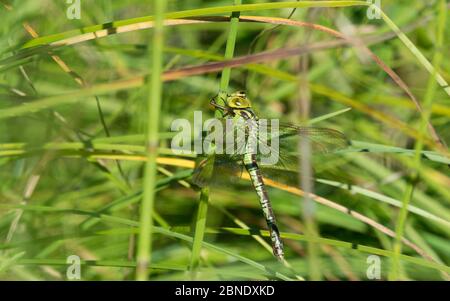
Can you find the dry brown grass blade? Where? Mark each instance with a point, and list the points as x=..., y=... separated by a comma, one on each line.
x=122, y=29
x=248, y=59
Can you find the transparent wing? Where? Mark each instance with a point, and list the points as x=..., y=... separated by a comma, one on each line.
x=218, y=170
x=226, y=166
x=278, y=153
x=321, y=140
x=286, y=142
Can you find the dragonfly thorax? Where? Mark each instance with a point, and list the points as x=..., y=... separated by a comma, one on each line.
x=238, y=104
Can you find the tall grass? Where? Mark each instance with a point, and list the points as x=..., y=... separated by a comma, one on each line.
x=62, y=193
x=417, y=163
x=144, y=247
x=204, y=194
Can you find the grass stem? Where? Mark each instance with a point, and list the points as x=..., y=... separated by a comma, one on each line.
x=425, y=117
x=204, y=194
x=153, y=110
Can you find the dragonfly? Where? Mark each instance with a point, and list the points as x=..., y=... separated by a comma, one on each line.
x=243, y=155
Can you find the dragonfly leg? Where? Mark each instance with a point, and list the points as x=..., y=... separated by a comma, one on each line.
x=224, y=109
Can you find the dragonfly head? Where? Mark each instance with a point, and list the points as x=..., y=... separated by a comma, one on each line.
x=238, y=104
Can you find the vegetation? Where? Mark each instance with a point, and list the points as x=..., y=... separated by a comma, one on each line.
x=86, y=169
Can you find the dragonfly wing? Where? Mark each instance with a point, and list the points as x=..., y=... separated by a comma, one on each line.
x=286, y=140
x=217, y=170
x=226, y=165
x=322, y=140
x=280, y=172
x=279, y=154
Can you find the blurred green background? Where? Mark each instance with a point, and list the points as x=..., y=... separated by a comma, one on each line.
x=71, y=175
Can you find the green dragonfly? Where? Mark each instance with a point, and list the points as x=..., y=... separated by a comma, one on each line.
x=253, y=148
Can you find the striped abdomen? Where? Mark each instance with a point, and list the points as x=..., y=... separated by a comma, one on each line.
x=258, y=183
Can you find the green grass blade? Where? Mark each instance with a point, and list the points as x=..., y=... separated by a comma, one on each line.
x=199, y=233
x=428, y=103
x=144, y=249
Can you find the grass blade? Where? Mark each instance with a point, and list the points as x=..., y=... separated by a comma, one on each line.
x=153, y=110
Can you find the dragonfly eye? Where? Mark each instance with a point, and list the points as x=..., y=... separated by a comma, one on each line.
x=238, y=102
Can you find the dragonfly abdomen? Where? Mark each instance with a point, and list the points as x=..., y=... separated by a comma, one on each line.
x=258, y=183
